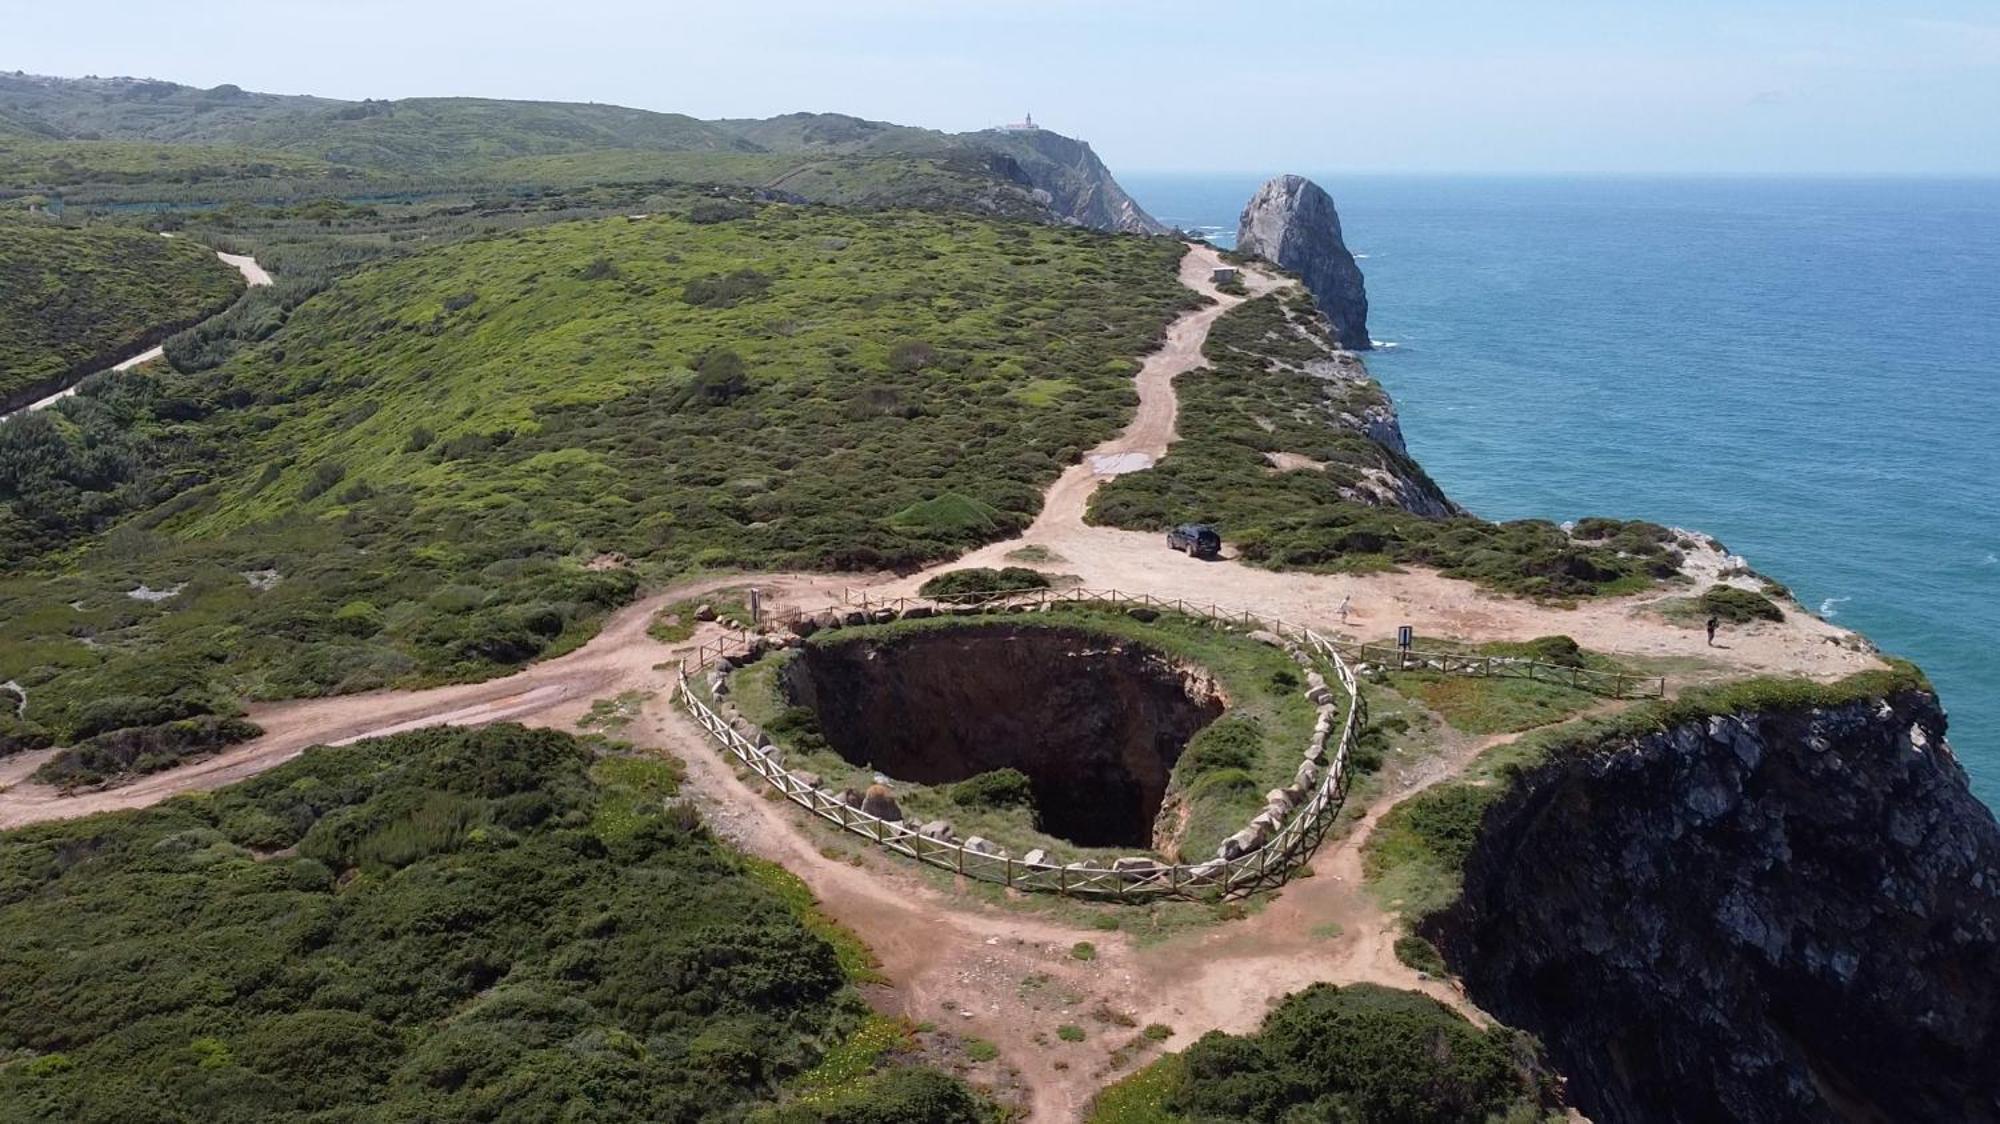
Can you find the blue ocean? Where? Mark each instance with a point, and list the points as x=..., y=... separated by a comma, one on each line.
x=1808, y=369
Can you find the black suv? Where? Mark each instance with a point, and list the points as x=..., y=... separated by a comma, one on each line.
x=1198, y=540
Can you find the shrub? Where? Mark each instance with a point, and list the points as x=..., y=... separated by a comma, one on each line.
x=116, y=712
x=1738, y=606
x=1231, y=743
x=1420, y=954
x=1083, y=950
x=725, y=290
x=1559, y=650
x=1001, y=788
x=18, y=735
x=966, y=585
x=139, y=750
x=1070, y=1032
x=1361, y=1052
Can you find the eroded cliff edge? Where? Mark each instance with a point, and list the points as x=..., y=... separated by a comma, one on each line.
x=1788, y=910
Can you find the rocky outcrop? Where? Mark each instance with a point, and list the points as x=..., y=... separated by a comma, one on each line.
x=1788, y=914
x=1291, y=222
x=1078, y=187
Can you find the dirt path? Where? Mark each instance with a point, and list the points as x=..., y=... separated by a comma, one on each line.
x=254, y=276
x=1006, y=976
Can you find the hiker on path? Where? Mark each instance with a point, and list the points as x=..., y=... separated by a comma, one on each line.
x=1346, y=603
x=1712, y=623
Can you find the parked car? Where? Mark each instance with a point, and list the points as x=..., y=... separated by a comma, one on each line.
x=1197, y=540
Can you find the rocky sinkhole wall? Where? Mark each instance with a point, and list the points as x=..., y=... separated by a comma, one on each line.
x=1778, y=915
x=1096, y=723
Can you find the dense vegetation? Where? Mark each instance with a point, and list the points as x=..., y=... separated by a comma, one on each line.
x=973, y=582
x=443, y=925
x=73, y=299
x=405, y=482
x=1738, y=606
x=1261, y=399
x=1362, y=1053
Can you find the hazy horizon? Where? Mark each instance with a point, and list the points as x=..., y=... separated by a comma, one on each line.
x=1698, y=88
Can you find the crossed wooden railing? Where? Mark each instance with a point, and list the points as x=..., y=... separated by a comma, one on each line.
x=1264, y=867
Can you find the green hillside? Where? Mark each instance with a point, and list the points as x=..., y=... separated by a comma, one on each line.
x=428, y=453
x=76, y=298
x=445, y=925
x=35, y=162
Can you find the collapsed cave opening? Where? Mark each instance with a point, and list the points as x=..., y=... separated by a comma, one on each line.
x=1096, y=722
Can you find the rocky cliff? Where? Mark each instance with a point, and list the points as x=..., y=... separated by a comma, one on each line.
x=1782, y=914
x=1079, y=187
x=1291, y=221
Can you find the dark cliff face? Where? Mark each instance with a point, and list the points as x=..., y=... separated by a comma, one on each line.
x=1779, y=916
x=1291, y=221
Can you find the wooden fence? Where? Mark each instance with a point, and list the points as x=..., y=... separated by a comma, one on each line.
x=1264, y=867
x=1612, y=684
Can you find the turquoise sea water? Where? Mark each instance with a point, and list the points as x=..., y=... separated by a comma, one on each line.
x=1809, y=370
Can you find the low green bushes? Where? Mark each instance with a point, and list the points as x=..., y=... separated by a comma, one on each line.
x=18, y=735
x=1361, y=1053
x=966, y=585
x=136, y=751
x=1738, y=606
x=1001, y=788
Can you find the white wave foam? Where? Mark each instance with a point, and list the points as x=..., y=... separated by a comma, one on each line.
x=1361, y=257
x=1989, y=560
x=1384, y=345
x=1829, y=608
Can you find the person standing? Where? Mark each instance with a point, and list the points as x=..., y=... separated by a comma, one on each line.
x=1713, y=621
x=1346, y=603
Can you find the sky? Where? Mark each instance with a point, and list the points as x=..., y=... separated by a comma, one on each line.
x=1524, y=86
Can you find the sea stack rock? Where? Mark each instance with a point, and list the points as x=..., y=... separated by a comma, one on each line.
x=1291, y=222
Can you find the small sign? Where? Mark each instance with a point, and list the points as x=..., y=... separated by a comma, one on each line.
x=756, y=605
x=1405, y=635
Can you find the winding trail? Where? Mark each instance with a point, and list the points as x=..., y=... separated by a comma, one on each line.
x=1007, y=975
x=254, y=276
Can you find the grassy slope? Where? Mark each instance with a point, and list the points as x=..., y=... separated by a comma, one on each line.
x=74, y=297
x=1301, y=519
x=427, y=452
x=37, y=163
x=473, y=922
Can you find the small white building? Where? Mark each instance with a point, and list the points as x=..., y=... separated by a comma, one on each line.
x=1025, y=125
x=1225, y=275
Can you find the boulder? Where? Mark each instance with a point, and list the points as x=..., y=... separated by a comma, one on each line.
x=918, y=612
x=938, y=830
x=808, y=778
x=1307, y=776
x=804, y=625
x=850, y=797
x=880, y=803
x=1036, y=857
x=1136, y=862
x=704, y=612
x=981, y=846
x=1291, y=222
x=1263, y=637
x=883, y=616
x=1278, y=799
x=855, y=617
x=774, y=754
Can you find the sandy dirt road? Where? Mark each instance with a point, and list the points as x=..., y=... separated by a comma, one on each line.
x=1005, y=975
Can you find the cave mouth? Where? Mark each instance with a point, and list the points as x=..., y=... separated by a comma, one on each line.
x=1095, y=721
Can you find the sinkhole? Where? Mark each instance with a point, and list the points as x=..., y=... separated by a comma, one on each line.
x=1095, y=721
